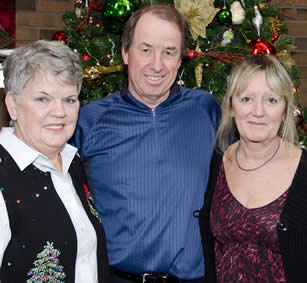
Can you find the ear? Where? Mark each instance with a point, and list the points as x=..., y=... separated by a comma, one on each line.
x=10, y=102
x=179, y=64
x=125, y=56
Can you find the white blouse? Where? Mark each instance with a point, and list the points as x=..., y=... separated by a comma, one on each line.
x=86, y=261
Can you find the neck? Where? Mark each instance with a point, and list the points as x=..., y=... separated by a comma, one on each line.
x=57, y=162
x=151, y=101
x=243, y=152
x=257, y=151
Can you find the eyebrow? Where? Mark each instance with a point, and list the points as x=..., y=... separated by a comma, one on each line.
x=68, y=96
x=168, y=47
x=44, y=93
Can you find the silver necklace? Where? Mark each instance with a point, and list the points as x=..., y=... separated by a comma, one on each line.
x=253, y=169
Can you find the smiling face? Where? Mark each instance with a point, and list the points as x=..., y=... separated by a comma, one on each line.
x=153, y=59
x=45, y=113
x=258, y=112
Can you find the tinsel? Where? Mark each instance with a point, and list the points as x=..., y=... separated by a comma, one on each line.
x=222, y=56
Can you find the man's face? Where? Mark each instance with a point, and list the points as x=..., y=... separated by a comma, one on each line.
x=153, y=59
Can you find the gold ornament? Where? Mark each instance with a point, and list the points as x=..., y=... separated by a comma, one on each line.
x=263, y=6
x=285, y=57
x=93, y=83
x=199, y=74
x=275, y=24
x=93, y=74
x=198, y=70
x=198, y=13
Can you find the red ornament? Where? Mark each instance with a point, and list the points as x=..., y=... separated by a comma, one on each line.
x=85, y=57
x=263, y=47
x=60, y=36
x=274, y=37
x=192, y=54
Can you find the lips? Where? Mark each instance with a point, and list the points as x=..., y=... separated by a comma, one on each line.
x=55, y=127
x=154, y=78
x=256, y=123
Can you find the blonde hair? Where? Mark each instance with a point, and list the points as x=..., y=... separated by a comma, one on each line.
x=280, y=83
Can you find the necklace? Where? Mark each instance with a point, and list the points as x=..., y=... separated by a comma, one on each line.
x=253, y=169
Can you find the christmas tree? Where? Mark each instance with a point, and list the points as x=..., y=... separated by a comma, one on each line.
x=47, y=268
x=222, y=32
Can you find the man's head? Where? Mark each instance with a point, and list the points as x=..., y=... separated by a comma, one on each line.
x=152, y=48
x=163, y=12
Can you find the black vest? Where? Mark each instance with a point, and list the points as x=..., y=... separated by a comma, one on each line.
x=37, y=216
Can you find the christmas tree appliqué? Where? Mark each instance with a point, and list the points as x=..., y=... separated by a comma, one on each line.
x=47, y=268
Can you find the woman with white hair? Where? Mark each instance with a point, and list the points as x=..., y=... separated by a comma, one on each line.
x=50, y=230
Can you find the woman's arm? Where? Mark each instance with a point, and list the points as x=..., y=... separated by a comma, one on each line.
x=5, y=229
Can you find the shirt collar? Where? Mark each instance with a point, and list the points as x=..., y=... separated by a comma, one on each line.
x=126, y=95
x=24, y=155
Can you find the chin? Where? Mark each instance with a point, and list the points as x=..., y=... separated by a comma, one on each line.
x=258, y=140
x=57, y=143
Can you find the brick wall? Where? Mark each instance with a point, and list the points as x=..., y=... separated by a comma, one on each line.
x=294, y=15
x=39, y=19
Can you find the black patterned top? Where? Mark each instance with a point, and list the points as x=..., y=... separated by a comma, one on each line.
x=246, y=240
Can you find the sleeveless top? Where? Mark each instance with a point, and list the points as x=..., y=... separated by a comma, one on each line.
x=43, y=237
x=246, y=240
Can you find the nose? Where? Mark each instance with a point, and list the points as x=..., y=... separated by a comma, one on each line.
x=259, y=109
x=58, y=108
x=156, y=63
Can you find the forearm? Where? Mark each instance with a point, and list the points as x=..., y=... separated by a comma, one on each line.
x=5, y=234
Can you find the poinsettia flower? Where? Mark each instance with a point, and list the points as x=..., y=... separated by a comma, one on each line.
x=198, y=13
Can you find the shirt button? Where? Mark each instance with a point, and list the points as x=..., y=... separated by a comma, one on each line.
x=282, y=226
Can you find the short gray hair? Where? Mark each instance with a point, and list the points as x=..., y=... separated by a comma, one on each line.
x=41, y=56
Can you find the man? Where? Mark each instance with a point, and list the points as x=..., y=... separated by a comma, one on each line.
x=147, y=150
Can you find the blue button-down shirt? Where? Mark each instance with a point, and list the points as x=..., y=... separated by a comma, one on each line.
x=149, y=170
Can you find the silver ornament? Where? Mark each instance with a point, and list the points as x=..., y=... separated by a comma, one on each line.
x=257, y=20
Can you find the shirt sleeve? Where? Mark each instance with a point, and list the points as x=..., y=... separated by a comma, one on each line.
x=5, y=229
